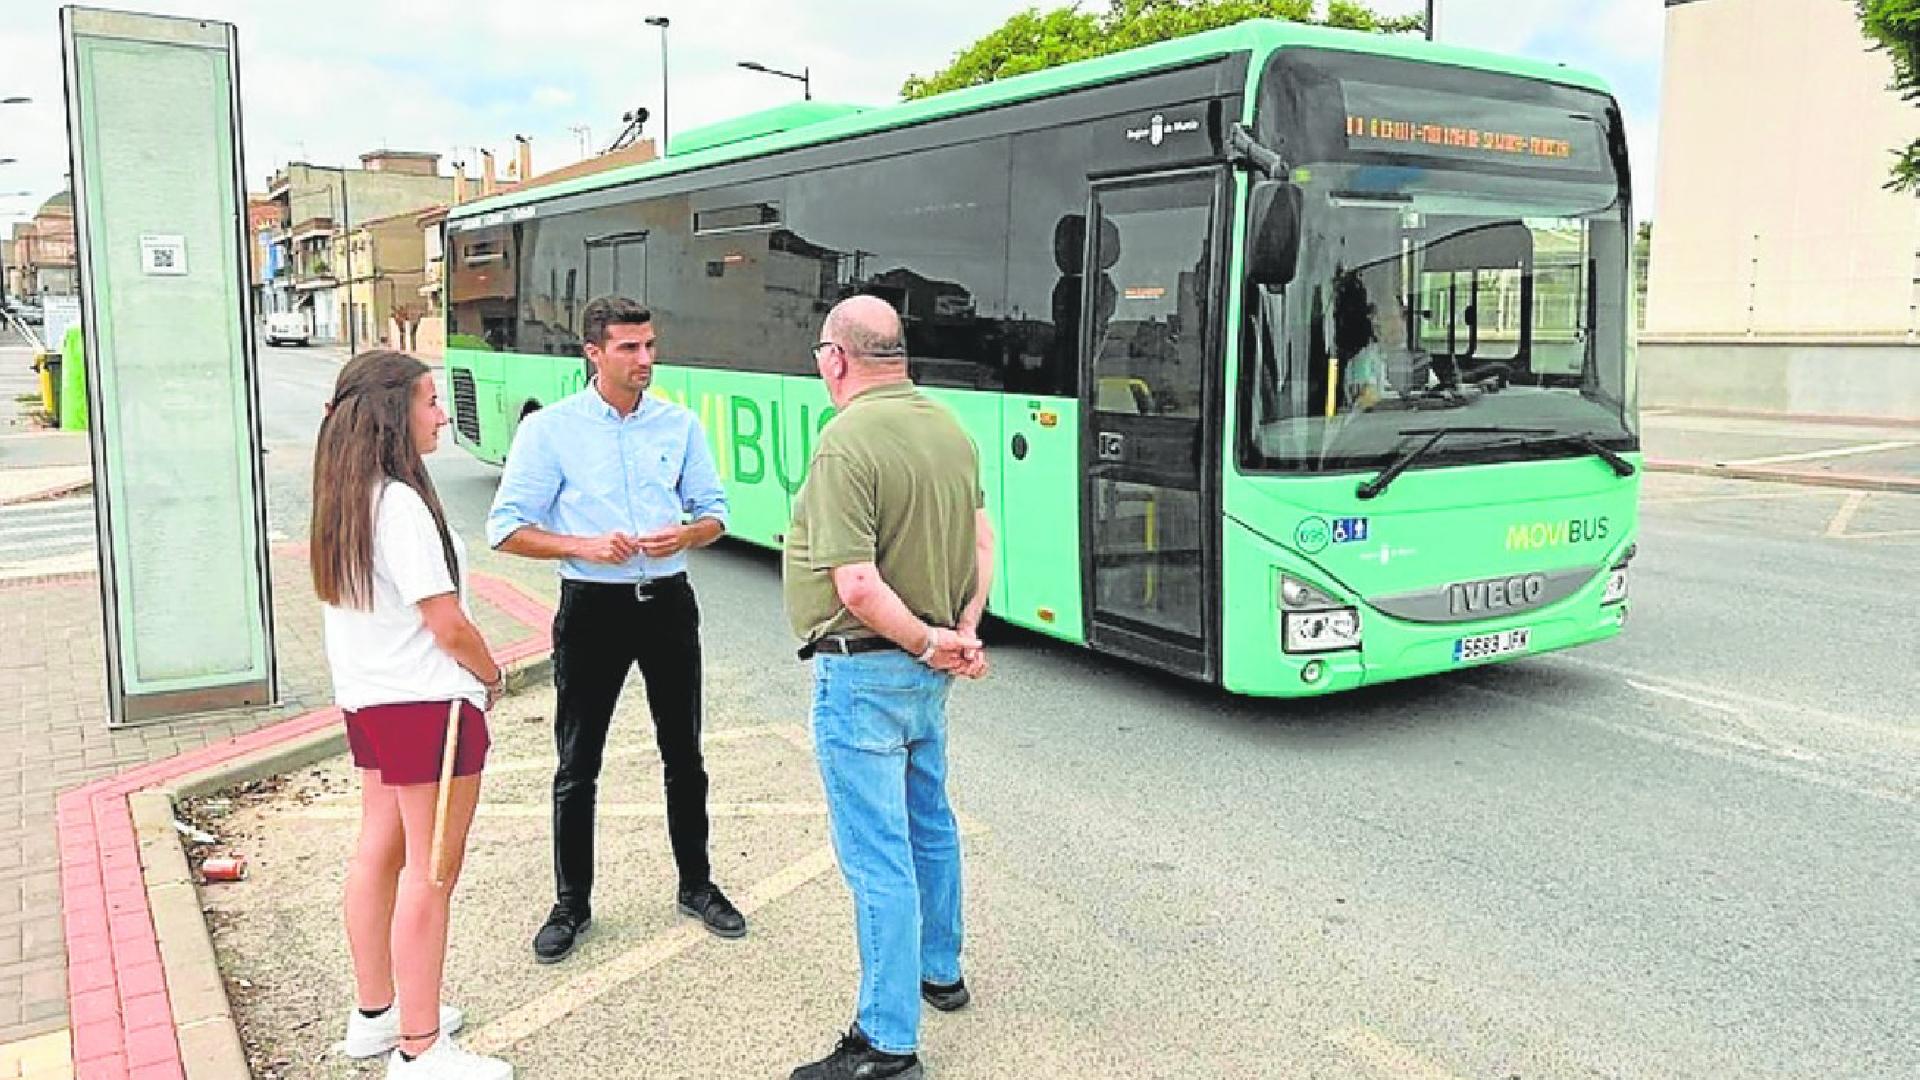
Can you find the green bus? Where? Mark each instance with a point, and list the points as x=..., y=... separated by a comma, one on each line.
x=1298, y=359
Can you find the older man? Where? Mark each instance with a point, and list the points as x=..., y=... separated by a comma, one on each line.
x=888, y=561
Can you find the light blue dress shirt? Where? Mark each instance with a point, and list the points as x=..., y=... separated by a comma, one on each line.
x=579, y=468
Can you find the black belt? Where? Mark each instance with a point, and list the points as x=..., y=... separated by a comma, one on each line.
x=845, y=646
x=642, y=590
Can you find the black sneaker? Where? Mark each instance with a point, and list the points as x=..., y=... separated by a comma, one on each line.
x=556, y=939
x=945, y=998
x=856, y=1059
x=711, y=906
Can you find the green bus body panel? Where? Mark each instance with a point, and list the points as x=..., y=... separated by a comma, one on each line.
x=1039, y=528
x=1429, y=529
x=763, y=429
x=1258, y=37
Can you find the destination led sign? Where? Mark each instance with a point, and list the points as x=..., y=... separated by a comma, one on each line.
x=1426, y=123
x=1501, y=143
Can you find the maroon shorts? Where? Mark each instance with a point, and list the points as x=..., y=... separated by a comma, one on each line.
x=405, y=742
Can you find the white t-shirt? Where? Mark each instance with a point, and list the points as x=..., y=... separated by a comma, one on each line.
x=387, y=655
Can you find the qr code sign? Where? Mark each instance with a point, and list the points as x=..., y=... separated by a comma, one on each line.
x=163, y=255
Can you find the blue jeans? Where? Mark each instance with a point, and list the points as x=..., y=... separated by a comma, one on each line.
x=880, y=730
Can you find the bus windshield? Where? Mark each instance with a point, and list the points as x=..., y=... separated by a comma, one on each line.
x=1468, y=275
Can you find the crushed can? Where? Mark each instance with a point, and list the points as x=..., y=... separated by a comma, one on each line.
x=232, y=868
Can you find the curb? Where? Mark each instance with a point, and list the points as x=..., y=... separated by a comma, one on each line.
x=1839, y=419
x=1804, y=477
x=145, y=996
x=55, y=492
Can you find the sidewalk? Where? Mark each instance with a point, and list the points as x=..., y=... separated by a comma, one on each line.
x=54, y=736
x=1870, y=456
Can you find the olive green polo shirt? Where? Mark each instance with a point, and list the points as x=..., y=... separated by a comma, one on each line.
x=895, y=482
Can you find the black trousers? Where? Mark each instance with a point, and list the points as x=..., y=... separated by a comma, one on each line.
x=599, y=634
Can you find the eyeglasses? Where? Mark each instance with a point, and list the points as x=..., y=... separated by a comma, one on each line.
x=818, y=345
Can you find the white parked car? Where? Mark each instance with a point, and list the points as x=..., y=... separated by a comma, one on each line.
x=288, y=328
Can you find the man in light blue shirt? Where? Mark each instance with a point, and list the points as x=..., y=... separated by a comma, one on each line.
x=618, y=486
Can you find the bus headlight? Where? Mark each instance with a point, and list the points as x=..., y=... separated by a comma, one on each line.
x=1295, y=593
x=1320, y=631
x=1616, y=586
x=1311, y=621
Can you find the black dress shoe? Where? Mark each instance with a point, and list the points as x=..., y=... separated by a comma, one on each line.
x=945, y=998
x=856, y=1059
x=711, y=906
x=556, y=939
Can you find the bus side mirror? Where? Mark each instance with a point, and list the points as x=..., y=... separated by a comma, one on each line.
x=1275, y=235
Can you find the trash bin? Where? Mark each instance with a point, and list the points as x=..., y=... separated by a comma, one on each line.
x=48, y=365
x=73, y=382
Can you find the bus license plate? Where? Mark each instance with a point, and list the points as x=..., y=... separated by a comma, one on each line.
x=1486, y=646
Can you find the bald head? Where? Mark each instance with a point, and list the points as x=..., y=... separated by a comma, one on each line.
x=868, y=328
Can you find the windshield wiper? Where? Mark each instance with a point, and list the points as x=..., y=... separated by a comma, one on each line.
x=1392, y=472
x=1620, y=465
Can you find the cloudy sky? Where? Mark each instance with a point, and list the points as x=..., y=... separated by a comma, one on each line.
x=324, y=82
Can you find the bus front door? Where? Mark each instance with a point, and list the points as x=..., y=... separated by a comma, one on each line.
x=1148, y=358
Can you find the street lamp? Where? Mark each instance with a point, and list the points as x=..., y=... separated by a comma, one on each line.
x=1430, y=4
x=16, y=101
x=805, y=78
x=666, y=125
x=8, y=161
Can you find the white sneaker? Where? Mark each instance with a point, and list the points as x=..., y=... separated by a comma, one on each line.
x=444, y=1060
x=372, y=1037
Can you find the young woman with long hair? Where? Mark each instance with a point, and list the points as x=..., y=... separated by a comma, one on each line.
x=403, y=650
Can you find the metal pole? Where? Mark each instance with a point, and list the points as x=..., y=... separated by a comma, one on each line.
x=346, y=211
x=1430, y=4
x=806, y=83
x=661, y=22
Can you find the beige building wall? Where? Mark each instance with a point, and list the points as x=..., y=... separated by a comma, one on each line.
x=1780, y=263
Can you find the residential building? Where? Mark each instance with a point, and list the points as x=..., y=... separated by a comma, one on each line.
x=42, y=259
x=320, y=206
x=1784, y=276
x=263, y=222
x=430, y=334
x=385, y=267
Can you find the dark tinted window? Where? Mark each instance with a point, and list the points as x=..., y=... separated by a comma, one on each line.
x=928, y=233
x=1046, y=259
x=744, y=295
x=482, y=288
x=751, y=216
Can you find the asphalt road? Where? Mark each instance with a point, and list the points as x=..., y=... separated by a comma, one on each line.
x=1691, y=851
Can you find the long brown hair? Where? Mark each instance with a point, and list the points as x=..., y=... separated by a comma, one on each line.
x=365, y=441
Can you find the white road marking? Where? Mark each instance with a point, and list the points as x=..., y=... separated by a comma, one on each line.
x=1729, y=749
x=1837, y=528
x=1761, y=705
x=557, y=1004
x=1678, y=696
x=1385, y=1056
x=1831, y=452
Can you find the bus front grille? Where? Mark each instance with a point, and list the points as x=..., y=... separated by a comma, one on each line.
x=466, y=407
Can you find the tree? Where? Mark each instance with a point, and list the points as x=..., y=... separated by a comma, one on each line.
x=1894, y=26
x=1034, y=40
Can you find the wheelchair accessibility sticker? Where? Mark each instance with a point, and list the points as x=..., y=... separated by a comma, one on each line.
x=1313, y=534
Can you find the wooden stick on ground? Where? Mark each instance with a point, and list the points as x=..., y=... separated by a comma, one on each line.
x=438, y=854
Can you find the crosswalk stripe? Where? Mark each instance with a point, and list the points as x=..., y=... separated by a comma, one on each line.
x=73, y=527
x=63, y=508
